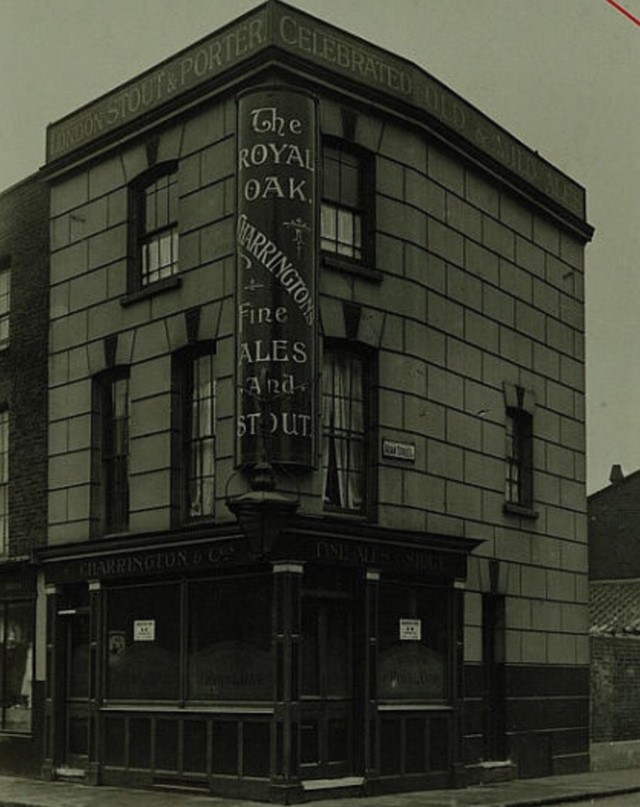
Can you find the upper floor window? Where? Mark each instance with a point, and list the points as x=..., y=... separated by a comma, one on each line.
x=4, y=481
x=344, y=430
x=347, y=203
x=113, y=410
x=155, y=231
x=519, y=449
x=5, y=303
x=197, y=429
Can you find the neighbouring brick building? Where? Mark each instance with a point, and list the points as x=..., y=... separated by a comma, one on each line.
x=24, y=292
x=316, y=430
x=614, y=597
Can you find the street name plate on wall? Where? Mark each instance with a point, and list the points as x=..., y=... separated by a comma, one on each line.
x=276, y=242
x=393, y=450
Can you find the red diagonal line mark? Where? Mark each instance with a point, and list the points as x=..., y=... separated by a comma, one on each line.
x=624, y=11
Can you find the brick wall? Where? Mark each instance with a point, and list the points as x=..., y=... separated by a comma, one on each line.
x=615, y=689
x=614, y=524
x=24, y=231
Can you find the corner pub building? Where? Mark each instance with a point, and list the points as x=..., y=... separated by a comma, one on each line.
x=316, y=430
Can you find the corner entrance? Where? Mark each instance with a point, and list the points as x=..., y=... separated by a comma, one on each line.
x=327, y=721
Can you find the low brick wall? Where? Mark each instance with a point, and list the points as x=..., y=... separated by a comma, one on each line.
x=615, y=756
x=615, y=689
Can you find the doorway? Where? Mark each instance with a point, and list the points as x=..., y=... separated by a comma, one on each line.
x=493, y=654
x=75, y=641
x=327, y=686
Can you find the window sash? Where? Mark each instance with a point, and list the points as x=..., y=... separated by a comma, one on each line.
x=519, y=458
x=159, y=256
x=5, y=305
x=158, y=229
x=343, y=213
x=344, y=431
x=115, y=452
x=200, y=436
x=341, y=231
x=4, y=481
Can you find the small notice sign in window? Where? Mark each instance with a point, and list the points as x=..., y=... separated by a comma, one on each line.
x=411, y=630
x=144, y=630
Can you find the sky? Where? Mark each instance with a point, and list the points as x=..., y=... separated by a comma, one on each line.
x=561, y=75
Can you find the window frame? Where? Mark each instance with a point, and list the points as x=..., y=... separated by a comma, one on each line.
x=5, y=309
x=365, y=356
x=139, y=235
x=519, y=466
x=106, y=505
x=180, y=634
x=365, y=207
x=183, y=362
x=5, y=606
x=5, y=480
x=436, y=633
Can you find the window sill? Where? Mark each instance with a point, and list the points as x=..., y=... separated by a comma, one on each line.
x=511, y=509
x=338, y=512
x=167, y=284
x=230, y=707
x=193, y=523
x=105, y=536
x=410, y=705
x=331, y=261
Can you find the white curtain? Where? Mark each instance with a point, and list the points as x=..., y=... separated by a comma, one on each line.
x=343, y=429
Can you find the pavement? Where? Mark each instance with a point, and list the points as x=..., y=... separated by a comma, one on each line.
x=584, y=787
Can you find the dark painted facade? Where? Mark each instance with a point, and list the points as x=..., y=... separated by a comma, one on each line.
x=24, y=290
x=302, y=297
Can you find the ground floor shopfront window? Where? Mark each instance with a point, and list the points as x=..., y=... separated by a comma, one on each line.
x=415, y=679
x=16, y=665
x=189, y=679
x=196, y=641
x=274, y=678
x=414, y=643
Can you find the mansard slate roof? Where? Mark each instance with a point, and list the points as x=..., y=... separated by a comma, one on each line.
x=275, y=34
x=615, y=608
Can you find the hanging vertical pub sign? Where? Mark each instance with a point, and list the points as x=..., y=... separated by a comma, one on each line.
x=276, y=238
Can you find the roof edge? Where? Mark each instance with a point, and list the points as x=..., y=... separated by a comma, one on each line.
x=306, y=38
